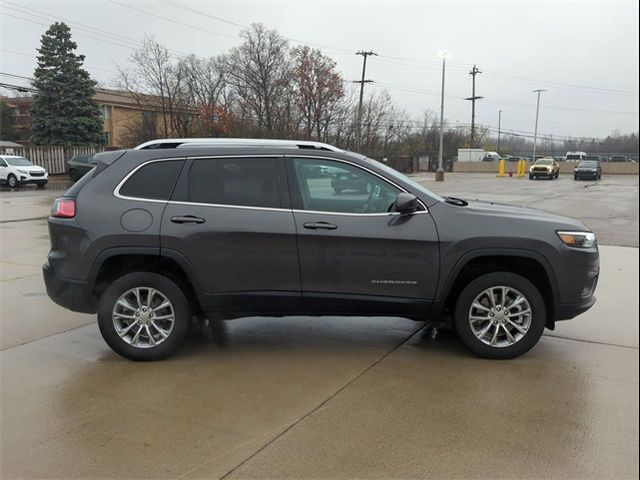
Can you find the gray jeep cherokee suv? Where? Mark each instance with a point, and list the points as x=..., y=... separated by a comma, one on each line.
x=180, y=229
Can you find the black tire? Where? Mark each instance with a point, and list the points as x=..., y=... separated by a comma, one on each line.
x=531, y=177
x=170, y=290
x=475, y=288
x=337, y=191
x=41, y=184
x=12, y=181
x=73, y=175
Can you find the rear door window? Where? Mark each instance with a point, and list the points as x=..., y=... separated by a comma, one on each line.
x=154, y=181
x=247, y=182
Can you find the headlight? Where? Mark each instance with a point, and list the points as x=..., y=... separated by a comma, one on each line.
x=578, y=239
x=26, y=172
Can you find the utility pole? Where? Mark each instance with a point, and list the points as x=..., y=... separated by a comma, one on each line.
x=362, y=81
x=535, y=131
x=474, y=71
x=440, y=171
x=499, y=124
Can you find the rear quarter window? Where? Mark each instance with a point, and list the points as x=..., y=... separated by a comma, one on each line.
x=154, y=180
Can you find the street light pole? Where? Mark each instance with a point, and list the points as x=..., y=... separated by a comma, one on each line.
x=535, y=132
x=440, y=171
x=499, y=124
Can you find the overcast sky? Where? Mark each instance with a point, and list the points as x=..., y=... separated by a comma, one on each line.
x=584, y=54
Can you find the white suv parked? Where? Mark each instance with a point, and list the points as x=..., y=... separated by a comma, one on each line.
x=16, y=171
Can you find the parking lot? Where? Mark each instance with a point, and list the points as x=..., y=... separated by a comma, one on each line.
x=304, y=397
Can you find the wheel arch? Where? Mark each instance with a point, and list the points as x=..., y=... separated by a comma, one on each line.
x=114, y=263
x=526, y=263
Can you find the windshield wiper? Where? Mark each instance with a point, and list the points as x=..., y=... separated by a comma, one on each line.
x=456, y=201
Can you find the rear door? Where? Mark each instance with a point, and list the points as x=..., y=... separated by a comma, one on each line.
x=355, y=255
x=231, y=218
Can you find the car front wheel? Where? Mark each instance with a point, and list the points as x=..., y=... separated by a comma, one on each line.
x=500, y=315
x=143, y=316
x=12, y=181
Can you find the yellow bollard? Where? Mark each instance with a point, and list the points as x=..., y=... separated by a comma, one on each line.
x=523, y=168
x=519, y=168
x=501, y=168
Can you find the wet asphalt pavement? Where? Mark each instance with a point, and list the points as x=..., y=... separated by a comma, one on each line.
x=303, y=397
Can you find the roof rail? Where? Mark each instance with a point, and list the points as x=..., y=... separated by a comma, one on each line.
x=233, y=142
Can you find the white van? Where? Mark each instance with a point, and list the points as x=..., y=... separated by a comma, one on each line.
x=490, y=156
x=576, y=156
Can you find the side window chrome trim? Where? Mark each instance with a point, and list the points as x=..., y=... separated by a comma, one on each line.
x=319, y=157
x=116, y=191
x=224, y=205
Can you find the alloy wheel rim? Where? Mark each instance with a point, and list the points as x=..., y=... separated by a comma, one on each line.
x=143, y=317
x=500, y=316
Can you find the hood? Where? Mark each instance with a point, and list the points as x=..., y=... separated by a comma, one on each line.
x=507, y=211
x=32, y=168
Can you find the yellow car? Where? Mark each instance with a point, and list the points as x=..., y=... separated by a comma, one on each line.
x=545, y=167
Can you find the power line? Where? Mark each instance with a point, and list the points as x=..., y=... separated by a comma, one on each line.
x=89, y=67
x=76, y=33
x=195, y=27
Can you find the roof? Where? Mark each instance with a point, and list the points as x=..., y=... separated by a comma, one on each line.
x=110, y=97
x=234, y=142
x=7, y=143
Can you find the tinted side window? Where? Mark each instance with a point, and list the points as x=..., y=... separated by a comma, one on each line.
x=2, y=163
x=154, y=180
x=330, y=186
x=80, y=159
x=250, y=182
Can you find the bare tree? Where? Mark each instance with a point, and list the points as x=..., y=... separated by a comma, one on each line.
x=157, y=85
x=259, y=73
x=318, y=90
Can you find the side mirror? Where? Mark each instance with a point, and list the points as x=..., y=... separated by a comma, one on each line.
x=406, y=203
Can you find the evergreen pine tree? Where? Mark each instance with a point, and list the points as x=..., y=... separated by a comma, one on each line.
x=63, y=110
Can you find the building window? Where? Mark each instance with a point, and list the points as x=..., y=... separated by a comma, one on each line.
x=106, y=112
x=107, y=138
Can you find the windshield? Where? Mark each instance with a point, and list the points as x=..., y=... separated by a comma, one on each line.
x=574, y=157
x=544, y=161
x=591, y=164
x=395, y=175
x=18, y=162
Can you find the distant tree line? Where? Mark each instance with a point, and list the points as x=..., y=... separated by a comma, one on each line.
x=266, y=88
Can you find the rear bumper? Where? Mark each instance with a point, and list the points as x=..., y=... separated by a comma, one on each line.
x=72, y=294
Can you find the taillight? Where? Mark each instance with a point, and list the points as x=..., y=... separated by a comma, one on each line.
x=64, y=208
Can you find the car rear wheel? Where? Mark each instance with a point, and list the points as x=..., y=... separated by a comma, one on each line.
x=143, y=316
x=500, y=315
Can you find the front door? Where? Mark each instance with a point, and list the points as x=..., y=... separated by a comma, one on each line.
x=357, y=256
x=231, y=218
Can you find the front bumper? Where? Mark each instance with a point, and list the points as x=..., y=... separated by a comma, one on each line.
x=72, y=294
x=541, y=173
x=569, y=311
x=28, y=178
x=579, y=175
